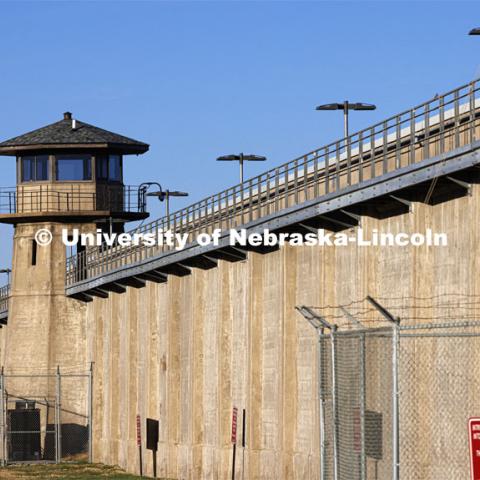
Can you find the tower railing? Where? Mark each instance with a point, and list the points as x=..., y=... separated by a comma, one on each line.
x=46, y=198
x=440, y=125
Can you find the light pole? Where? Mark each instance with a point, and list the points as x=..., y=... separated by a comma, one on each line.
x=474, y=31
x=164, y=196
x=346, y=106
x=8, y=271
x=240, y=159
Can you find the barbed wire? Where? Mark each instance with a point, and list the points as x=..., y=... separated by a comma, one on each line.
x=461, y=307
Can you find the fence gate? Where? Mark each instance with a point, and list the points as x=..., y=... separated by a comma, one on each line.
x=356, y=368
x=45, y=417
x=395, y=401
x=439, y=390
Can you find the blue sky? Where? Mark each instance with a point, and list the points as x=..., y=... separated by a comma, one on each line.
x=200, y=79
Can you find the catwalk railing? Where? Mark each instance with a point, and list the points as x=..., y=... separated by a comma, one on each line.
x=39, y=198
x=4, y=295
x=440, y=125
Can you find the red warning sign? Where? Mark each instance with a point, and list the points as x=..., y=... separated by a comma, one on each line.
x=139, y=432
x=234, y=424
x=474, y=439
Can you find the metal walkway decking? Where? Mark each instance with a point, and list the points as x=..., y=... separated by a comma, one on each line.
x=377, y=171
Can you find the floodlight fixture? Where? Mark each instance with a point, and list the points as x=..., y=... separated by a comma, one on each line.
x=240, y=158
x=164, y=196
x=346, y=106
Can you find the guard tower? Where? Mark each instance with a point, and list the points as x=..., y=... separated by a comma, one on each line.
x=69, y=175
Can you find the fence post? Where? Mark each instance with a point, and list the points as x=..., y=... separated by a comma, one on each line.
x=90, y=413
x=58, y=406
x=395, y=322
x=321, y=404
x=363, y=393
x=319, y=323
x=363, y=473
x=4, y=418
x=334, y=403
x=395, y=401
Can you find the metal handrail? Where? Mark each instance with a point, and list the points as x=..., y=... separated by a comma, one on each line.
x=442, y=124
x=51, y=198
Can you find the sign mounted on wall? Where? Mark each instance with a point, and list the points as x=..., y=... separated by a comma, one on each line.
x=474, y=440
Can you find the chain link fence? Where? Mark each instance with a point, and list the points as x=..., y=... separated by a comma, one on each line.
x=358, y=406
x=394, y=401
x=439, y=390
x=45, y=417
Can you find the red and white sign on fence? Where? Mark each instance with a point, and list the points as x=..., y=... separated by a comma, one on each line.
x=474, y=439
x=234, y=424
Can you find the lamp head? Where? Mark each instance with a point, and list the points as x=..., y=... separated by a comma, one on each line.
x=176, y=193
x=160, y=194
x=346, y=105
x=233, y=158
x=362, y=106
x=330, y=106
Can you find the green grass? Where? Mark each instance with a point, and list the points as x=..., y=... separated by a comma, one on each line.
x=82, y=471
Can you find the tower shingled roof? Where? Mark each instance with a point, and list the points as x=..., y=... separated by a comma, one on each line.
x=70, y=133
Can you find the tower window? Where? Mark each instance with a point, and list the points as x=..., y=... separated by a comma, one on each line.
x=115, y=168
x=109, y=167
x=34, y=168
x=101, y=163
x=74, y=167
